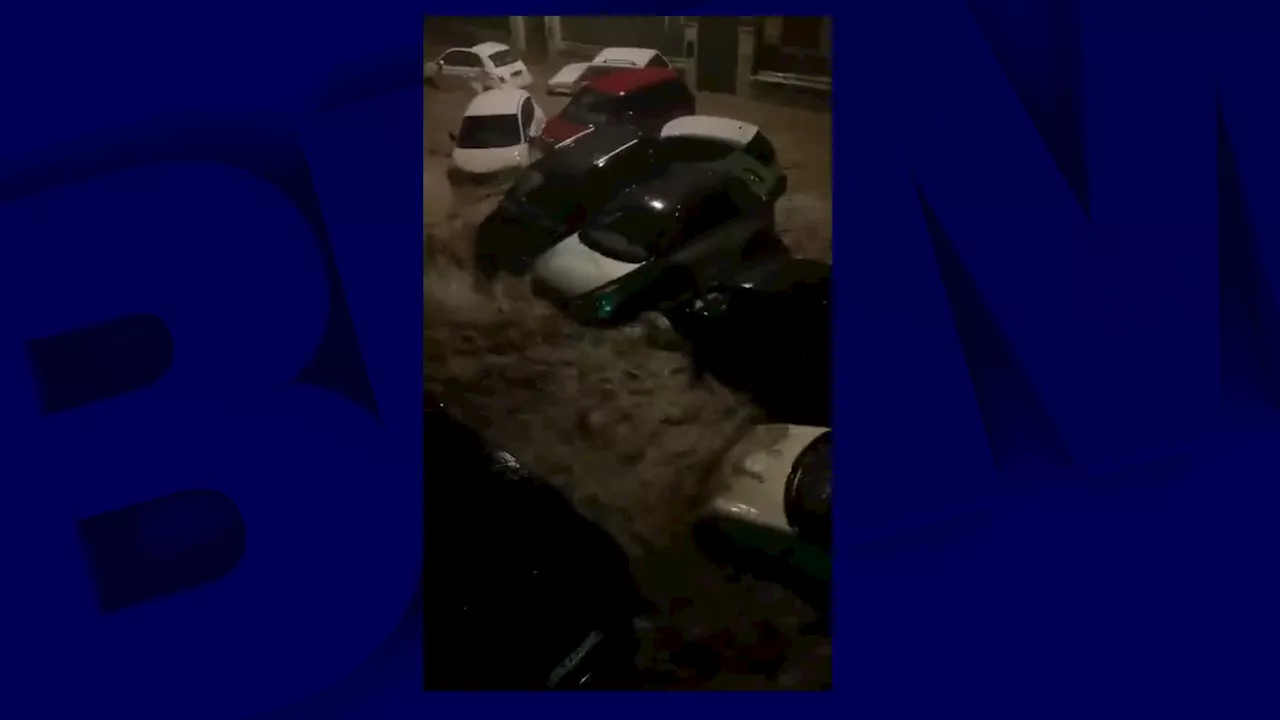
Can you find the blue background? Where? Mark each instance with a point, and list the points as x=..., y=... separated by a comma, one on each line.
x=1057, y=341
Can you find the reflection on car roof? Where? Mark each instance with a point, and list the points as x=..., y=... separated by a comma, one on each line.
x=668, y=193
x=488, y=48
x=579, y=156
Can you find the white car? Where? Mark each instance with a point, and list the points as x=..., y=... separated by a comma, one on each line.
x=778, y=479
x=571, y=76
x=736, y=133
x=496, y=131
x=481, y=67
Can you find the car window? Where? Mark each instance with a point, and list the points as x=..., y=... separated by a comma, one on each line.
x=709, y=213
x=526, y=114
x=504, y=57
x=630, y=234
x=595, y=72
x=453, y=58
x=461, y=58
x=657, y=62
x=761, y=149
x=682, y=149
x=489, y=131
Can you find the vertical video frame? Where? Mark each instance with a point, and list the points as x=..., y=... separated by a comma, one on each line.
x=627, y=352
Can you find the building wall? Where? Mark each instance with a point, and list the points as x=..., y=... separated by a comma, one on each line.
x=797, y=45
x=661, y=32
x=465, y=30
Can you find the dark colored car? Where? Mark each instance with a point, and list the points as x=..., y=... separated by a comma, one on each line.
x=521, y=592
x=556, y=196
x=767, y=331
x=645, y=99
x=660, y=242
x=559, y=192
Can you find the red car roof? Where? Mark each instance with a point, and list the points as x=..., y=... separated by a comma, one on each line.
x=625, y=80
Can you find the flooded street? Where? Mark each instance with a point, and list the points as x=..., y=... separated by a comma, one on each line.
x=621, y=423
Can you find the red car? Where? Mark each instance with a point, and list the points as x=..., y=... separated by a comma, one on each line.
x=645, y=99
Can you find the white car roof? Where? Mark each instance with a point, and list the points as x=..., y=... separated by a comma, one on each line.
x=709, y=126
x=488, y=48
x=502, y=101
x=614, y=55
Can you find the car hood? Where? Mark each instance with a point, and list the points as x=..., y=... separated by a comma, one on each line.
x=573, y=269
x=488, y=160
x=558, y=129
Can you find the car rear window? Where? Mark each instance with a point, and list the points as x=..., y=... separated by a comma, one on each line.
x=631, y=235
x=489, y=131
x=504, y=57
x=761, y=149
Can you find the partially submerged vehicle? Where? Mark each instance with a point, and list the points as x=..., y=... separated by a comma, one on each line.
x=576, y=180
x=485, y=66
x=644, y=99
x=658, y=243
x=496, y=133
x=574, y=75
x=767, y=332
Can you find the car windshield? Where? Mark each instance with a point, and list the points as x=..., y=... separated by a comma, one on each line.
x=631, y=235
x=504, y=57
x=489, y=131
x=588, y=107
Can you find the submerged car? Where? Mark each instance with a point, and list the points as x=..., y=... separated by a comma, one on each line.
x=767, y=332
x=497, y=129
x=778, y=479
x=481, y=67
x=521, y=592
x=644, y=99
x=558, y=193
x=660, y=242
x=574, y=75
x=571, y=184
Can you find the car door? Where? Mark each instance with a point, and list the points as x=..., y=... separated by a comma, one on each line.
x=715, y=233
x=461, y=69
x=537, y=119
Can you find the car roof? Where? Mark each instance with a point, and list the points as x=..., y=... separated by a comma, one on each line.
x=488, y=48
x=710, y=126
x=630, y=79
x=578, y=155
x=673, y=189
x=500, y=101
x=636, y=56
